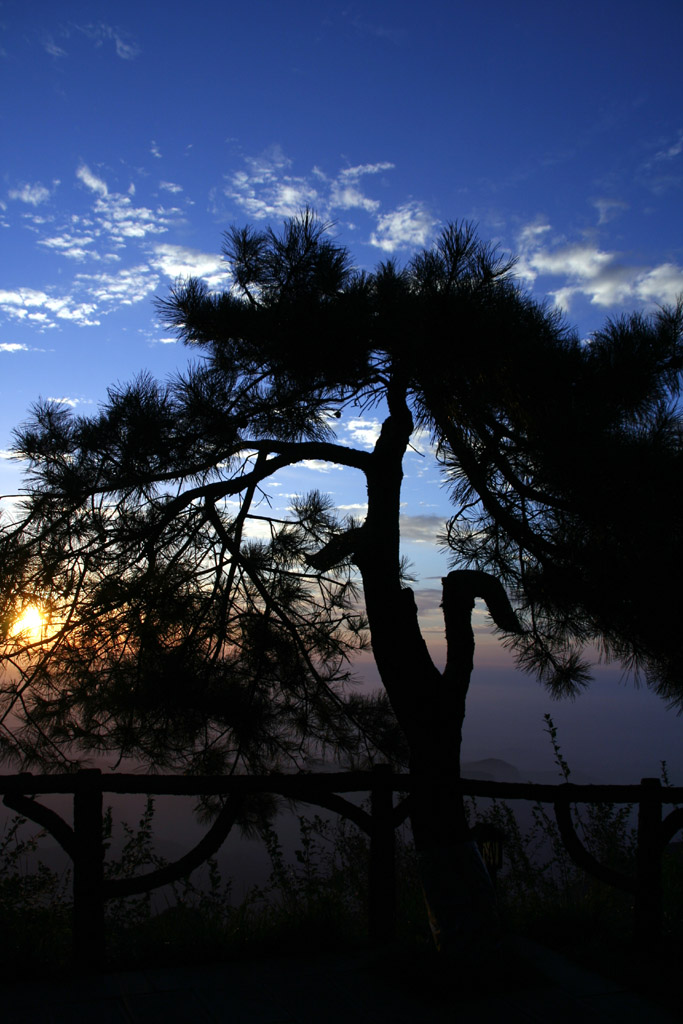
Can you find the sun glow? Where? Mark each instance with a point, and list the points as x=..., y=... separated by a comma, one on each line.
x=30, y=624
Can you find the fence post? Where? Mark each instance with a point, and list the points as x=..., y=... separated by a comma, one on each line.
x=88, y=912
x=382, y=873
x=648, y=901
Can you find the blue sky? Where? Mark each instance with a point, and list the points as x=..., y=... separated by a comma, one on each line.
x=135, y=134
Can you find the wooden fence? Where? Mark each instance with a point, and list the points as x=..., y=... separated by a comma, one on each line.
x=83, y=842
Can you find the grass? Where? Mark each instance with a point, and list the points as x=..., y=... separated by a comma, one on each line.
x=318, y=902
x=545, y=896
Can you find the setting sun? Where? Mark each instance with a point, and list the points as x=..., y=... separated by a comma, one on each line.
x=30, y=623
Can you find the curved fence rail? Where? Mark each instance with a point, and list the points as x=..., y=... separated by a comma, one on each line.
x=84, y=844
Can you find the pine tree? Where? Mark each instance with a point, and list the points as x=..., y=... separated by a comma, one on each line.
x=179, y=640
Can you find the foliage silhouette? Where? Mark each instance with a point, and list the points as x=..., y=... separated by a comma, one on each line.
x=573, y=501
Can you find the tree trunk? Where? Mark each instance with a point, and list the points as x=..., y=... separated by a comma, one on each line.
x=460, y=896
x=429, y=706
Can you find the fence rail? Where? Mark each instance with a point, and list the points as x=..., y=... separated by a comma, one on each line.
x=84, y=843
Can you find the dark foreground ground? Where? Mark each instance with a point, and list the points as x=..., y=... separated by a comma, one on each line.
x=364, y=987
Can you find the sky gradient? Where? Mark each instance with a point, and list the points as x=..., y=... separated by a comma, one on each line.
x=134, y=135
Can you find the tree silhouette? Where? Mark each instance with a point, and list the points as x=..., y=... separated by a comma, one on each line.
x=574, y=503
x=179, y=639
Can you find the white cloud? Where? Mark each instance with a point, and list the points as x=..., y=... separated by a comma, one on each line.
x=408, y=226
x=130, y=285
x=170, y=186
x=363, y=432
x=154, y=150
x=600, y=276
x=265, y=187
x=362, y=169
x=344, y=191
x=258, y=529
x=531, y=233
x=263, y=190
x=119, y=218
x=112, y=225
x=610, y=286
x=318, y=466
x=113, y=216
x=72, y=246
x=13, y=346
x=179, y=261
x=73, y=402
x=421, y=442
x=582, y=261
x=32, y=194
x=91, y=180
x=17, y=305
x=662, y=284
x=347, y=197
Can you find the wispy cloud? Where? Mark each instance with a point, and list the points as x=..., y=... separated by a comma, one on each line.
x=51, y=47
x=34, y=195
x=170, y=186
x=671, y=151
x=360, y=170
x=91, y=180
x=129, y=285
x=113, y=226
x=121, y=219
x=663, y=171
x=124, y=45
x=265, y=188
x=117, y=216
x=608, y=209
x=345, y=193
